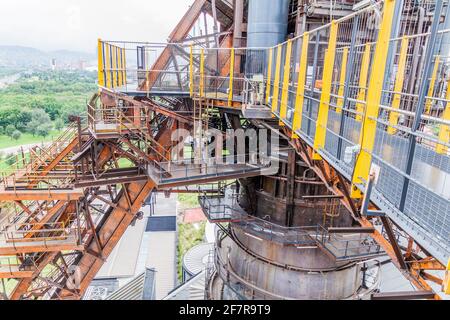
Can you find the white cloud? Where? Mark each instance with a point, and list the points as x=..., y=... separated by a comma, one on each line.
x=76, y=24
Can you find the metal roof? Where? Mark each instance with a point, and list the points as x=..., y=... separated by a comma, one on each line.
x=193, y=289
x=195, y=259
x=141, y=287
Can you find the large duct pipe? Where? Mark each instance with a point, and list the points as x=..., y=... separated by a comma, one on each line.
x=267, y=22
x=266, y=27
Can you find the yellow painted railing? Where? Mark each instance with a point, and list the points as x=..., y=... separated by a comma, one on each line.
x=111, y=65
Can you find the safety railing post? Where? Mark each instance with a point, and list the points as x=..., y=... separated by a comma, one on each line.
x=286, y=78
x=107, y=49
x=363, y=76
x=328, y=67
x=340, y=100
x=398, y=87
x=429, y=102
x=301, y=81
x=230, y=85
x=374, y=94
x=101, y=65
x=276, y=82
x=269, y=76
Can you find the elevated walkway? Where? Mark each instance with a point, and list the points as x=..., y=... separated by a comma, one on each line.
x=172, y=174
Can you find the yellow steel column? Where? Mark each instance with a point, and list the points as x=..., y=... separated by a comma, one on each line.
x=363, y=76
x=374, y=94
x=444, y=130
x=322, y=117
x=276, y=81
x=114, y=66
x=340, y=100
x=286, y=77
x=119, y=59
x=191, y=71
x=230, y=85
x=101, y=65
x=300, y=96
x=202, y=73
x=108, y=65
x=432, y=84
x=269, y=76
x=393, y=116
x=124, y=66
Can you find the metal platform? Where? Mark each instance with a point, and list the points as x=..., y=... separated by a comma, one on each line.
x=171, y=174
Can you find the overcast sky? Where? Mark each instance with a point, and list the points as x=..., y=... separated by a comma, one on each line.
x=77, y=24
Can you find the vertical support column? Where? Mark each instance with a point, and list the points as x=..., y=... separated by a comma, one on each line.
x=120, y=65
x=290, y=187
x=108, y=65
x=276, y=81
x=202, y=73
x=324, y=106
x=101, y=65
x=230, y=85
x=114, y=66
x=444, y=130
x=374, y=94
x=313, y=81
x=124, y=66
x=340, y=100
x=363, y=76
x=301, y=81
x=286, y=78
x=398, y=87
x=432, y=84
x=191, y=71
x=269, y=76
x=237, y=30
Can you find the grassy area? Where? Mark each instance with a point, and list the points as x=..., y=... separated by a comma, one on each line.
x=188, y=201
x=125, y=163
x=27, y=138
x=189, y=235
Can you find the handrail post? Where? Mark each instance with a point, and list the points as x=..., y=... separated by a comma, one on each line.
x=328, y=68
x=373, y=99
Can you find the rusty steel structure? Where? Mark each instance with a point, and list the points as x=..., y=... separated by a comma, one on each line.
x=318, y=218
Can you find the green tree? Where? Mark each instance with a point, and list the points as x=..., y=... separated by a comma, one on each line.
x=16, y=135
x=59, y=124
x=40, y=123
x=44, y=129
x=9, y=130
x=49, y=104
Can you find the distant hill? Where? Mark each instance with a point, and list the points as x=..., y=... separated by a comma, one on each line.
x=27, y=57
